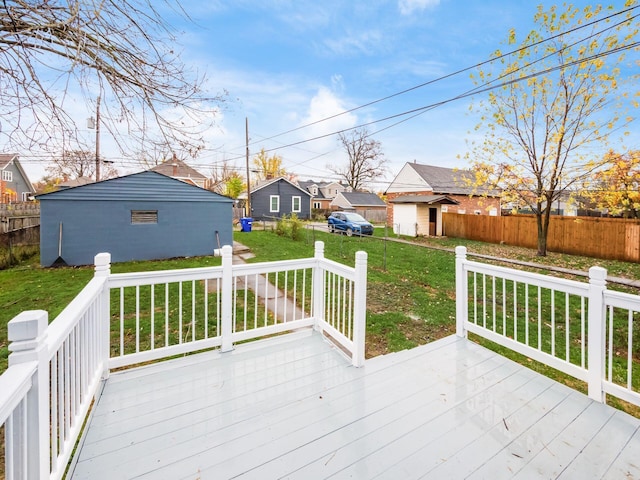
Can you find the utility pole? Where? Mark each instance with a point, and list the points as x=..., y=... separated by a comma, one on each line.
x=246, y=129
x=98, y=140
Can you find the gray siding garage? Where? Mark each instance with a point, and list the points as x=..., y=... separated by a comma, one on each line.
x=142, y=216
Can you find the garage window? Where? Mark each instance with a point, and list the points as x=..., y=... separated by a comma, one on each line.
x=144, y=217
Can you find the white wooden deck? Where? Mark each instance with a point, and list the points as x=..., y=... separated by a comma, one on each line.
x=293, y=407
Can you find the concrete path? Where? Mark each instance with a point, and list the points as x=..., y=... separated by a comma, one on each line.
x=277, y=303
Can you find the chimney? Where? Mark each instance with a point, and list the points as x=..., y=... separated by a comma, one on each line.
x=175, y=165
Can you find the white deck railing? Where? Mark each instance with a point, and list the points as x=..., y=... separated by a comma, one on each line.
x=119, y=320
x=582, y=329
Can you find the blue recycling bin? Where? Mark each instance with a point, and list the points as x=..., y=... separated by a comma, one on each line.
x=245, y=224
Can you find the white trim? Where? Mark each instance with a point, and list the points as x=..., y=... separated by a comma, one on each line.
x=271, y=198
x=293, y=204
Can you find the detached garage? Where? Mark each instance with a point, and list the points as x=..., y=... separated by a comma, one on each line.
x=415, y=215
x=142, y=216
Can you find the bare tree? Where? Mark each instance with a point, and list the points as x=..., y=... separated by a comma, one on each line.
x=366, y=159
x=220, y=176
x=121, y=50
x=79, y=163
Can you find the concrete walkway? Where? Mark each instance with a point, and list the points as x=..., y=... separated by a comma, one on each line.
x=281, y=306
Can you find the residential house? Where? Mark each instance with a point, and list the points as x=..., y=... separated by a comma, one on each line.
x=322, y=192
x=367, y=204
x=438, y=188
x=279, y=197
x=14, y=183
x=141, y=216
x=179, y=170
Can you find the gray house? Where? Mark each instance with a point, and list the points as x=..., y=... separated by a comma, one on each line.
x=14, y=183
x=278, y=197
x=141, y=216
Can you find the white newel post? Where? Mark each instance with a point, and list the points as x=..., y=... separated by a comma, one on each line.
x=102, y=262
x=596, y=334
x=226, y=293
x=27, y=336
x=318, y=286
x=462, y=296
x=359, y=310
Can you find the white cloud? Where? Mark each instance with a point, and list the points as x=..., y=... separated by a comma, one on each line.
x=325, y=104
x=369, y=42
x=409, y=6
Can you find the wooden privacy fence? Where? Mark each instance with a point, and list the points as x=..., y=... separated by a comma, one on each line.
x=607, y=238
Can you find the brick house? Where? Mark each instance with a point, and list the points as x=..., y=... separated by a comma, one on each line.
x=439, y=189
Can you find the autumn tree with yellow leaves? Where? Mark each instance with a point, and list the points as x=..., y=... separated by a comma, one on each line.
x=616, y=187
x=553, y=105
x=266, y=167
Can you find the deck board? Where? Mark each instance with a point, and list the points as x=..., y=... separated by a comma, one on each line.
x=293, y=407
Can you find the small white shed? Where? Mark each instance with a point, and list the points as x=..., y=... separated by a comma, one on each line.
x=415, y=215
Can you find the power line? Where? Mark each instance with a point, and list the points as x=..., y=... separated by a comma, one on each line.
x=457, y=72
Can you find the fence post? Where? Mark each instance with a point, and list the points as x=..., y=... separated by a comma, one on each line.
x=318, y=286
x=596, y=334
x=359, y=310
x=226, y=293
x=27, y=333
x=462, y=296
x=102, y=262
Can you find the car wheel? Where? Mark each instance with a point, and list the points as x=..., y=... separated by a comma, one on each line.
x=349, y=232
x=331, y=229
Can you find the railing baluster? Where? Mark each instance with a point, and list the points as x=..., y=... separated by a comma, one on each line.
x=153, y=316
x=180, y=311
x=193, y=310
x=630, y=350
x=166, y=314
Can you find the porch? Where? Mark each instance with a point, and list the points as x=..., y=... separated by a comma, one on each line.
x=298, y=400
x=294, y=407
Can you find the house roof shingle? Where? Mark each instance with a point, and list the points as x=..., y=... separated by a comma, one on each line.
x=363, y=199
x=445, y=180
x=177, y=168
x=142, y=186
x=6, y=158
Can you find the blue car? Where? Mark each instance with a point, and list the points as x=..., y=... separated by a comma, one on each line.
x=349, y=223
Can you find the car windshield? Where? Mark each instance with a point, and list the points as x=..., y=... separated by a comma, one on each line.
x=354, y=217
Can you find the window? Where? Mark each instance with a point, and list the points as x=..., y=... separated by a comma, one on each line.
x=445, y=209
x=7, y=176
x=274, y=203
x=25, y=196
x=296, y=204
x=317, y=205
x=144, y=217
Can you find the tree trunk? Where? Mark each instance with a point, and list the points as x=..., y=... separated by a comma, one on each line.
x=542, y=221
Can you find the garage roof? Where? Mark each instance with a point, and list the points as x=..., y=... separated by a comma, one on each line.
x=425, y=199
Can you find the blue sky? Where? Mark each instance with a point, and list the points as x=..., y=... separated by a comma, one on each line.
x=286, y=63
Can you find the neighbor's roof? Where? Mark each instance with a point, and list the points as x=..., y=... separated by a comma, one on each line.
x=363, y=199
x=143, y=186
x=445, y=180
x=266, y=183
x=425, y=199
x=7, y=158
x=182, y=169
x=76, y=182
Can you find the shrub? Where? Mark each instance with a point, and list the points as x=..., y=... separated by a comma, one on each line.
x=290, y=227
